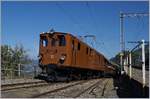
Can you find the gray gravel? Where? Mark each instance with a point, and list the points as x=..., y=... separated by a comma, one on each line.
x=13, y=81
x=70, y=92
x=104, y=89
x=29, y=92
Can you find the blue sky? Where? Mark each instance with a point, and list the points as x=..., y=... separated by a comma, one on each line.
x=22, y=22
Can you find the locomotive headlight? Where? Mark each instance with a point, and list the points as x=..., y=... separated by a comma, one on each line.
x=63, y=57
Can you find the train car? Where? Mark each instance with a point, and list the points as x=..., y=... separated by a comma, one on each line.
x=64, y=55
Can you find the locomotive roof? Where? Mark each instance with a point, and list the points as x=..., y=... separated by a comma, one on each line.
x=45, y=33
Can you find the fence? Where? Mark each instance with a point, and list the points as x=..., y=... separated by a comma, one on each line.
x=136, y=63
x=18, y=71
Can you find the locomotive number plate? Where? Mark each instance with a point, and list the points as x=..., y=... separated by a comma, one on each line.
x=52, y=56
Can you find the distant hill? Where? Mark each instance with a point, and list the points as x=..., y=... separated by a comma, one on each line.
x=136, y=58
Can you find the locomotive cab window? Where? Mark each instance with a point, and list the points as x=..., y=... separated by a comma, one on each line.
x=90, y=51
x=79, y=46
x=44, y=42
x=62, y=40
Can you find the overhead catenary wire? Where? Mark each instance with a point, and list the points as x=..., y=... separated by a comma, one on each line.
x=93, y=21
x=102, y=44
x=141, y=27
x=77, y=24
x=72, y=19
x=90, y=14
x=137, y=29
x=69, y=16
x=95, y=26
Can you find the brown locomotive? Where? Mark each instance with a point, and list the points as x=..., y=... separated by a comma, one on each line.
x=64, y=55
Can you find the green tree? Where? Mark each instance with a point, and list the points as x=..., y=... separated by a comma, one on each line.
x=12, y=57
x=6, y=58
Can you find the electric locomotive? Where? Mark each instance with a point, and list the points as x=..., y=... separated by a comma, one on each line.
x=64, y=56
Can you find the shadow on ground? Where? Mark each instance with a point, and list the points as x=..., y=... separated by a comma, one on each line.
x=129, y=88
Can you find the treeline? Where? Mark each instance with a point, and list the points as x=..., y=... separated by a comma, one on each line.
x=136, y=57
x=12, y=57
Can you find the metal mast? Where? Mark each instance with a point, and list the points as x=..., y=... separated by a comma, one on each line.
x=122, y=45
x=122, y=40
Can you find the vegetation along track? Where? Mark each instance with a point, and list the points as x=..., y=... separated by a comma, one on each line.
x=23, y=85
x=68, y=86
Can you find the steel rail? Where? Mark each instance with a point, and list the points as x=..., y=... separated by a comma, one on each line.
x=93, y=85
x=23, y=85
x=104, y=88
x=7, y=85
x=58, y=89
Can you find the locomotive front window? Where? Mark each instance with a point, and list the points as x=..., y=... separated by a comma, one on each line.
x=62, y=40
x=44, y=42
x=53, y=42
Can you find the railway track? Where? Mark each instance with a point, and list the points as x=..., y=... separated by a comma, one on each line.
x=58, y=89
x=41, y=90
x=23, y=85
x=69, y=86
x=93, y=85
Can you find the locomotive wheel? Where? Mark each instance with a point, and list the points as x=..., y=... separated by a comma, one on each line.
x=51, y=74
x=68, y=77
x=79, y=76
x=52, y=77
x=102, y=74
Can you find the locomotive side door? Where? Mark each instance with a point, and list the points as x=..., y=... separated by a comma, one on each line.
x=73, y=52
